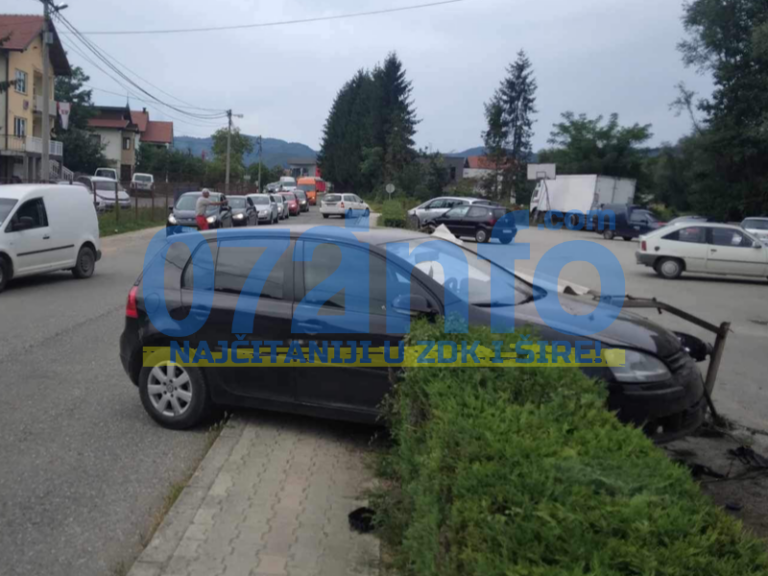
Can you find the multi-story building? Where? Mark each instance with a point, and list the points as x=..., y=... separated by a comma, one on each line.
x=21, y=105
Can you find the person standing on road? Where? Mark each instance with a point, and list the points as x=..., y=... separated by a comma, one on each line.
x=201, y=207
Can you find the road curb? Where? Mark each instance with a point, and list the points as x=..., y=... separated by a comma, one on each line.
x=155, y=557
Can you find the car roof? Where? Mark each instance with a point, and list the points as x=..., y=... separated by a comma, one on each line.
x=143, y=174
x=372, y=236
x=755, y=218
x=21, y=191
x=102, y=178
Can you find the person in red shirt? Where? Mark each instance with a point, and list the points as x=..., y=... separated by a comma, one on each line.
x=202, y=206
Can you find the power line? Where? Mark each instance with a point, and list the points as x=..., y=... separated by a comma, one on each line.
x=269, y=24
x=102, y=57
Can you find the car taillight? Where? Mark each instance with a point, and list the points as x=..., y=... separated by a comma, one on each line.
x=643, y=246
x=492, y=221
x=130, y=307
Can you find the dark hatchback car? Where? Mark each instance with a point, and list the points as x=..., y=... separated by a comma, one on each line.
x=183, y=213
x=660, y=388
x=301, y=196
x=243, y=211
x=478, y=222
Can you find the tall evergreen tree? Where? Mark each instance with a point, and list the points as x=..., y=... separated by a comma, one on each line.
x=508, y=138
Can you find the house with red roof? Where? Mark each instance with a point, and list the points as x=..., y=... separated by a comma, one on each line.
x=122, y=131
x=21, y=106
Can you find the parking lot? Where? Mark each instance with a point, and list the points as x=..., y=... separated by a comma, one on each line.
x=85, y=469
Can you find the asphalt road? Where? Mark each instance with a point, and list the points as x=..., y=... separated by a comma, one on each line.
x=84, y=470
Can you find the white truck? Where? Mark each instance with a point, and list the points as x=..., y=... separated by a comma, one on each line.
x=582, y=193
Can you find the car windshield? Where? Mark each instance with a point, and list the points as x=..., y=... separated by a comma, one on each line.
x=307, y=187
x=300, y=194
x=260, y=200
x=236, y=201
x=755, y=224
x=187, y=202
x=142, y=178
x=290, y=197
x=105, y=173
x=455, y=268
x=6, y=205
x=104, y=185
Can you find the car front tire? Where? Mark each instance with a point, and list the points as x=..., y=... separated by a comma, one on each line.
x=5, y=273
x=174, y=396
x=669, y=268
x=85, y=264
x=481, y=236
x=608, y=234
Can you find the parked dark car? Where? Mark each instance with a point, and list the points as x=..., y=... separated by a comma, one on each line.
x=243, y=211
x=630, y=221
x=301, y=196
x=660, y=387
x=183, y=212
x=478, y=222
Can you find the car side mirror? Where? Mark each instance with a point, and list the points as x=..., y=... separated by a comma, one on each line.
x=170, y=208
x=757, y=245
x=24, y=223
x=417, y=305
x=696, y=347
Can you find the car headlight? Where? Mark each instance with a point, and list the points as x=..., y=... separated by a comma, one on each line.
x=171, y=219
x=211, y=219
x=263, y=212
x=238, y=216
x=638, y=367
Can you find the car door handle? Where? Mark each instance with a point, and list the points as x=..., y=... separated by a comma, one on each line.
x=713, y=250
x=47, y=237
x=308, y=325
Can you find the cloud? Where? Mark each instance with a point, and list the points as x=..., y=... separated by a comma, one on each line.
x=592, y=56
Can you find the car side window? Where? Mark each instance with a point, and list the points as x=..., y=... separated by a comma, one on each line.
x=236, y=263
x=638, y=218
x=381, y=276
x=437, y=204
x=458, y=212
x=477, y=212
x=726, y=237
x=693, y=235
x=33, y=209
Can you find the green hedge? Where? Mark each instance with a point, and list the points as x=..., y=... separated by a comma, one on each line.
x=523, y=471
x=393, y=214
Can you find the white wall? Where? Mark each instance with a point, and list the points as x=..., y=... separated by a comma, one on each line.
x=476, y=172
x=114, y=141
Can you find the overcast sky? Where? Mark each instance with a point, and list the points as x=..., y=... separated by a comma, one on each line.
x=592, y=56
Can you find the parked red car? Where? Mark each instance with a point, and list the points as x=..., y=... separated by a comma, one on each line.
x=293, y=203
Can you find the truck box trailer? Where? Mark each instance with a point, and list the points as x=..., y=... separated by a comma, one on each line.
x=582, y=193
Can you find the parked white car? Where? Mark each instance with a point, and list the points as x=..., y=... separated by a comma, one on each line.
x=758, y=227
x=110, y=173
x=141, y=181
x=343, y=205
x=703, y=248
x=44, y=228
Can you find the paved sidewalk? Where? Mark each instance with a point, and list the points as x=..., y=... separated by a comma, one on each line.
x=270, y=498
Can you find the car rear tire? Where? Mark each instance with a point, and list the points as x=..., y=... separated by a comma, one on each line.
x=481, y=236
x=348, y=214
x=5, y=273
x=367, y=213
x=85, y=264
x=178, y=402
x=669, y=268
x=608, y=235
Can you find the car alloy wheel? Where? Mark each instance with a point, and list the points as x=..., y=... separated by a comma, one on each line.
x=608, y=234
x=85, y=264
x=174, y=396
x=481, y=236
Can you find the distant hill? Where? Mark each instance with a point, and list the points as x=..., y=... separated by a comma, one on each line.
x=476, y=151
x=275, y=152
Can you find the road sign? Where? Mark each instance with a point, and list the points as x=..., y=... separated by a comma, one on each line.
x=390, y=188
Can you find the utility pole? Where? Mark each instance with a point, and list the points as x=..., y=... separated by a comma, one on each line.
x=259, y=164
x=229, y=146
x=45, y=165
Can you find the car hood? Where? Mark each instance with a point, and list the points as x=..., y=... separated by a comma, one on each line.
x=238, y=211
x=190, y=214
x=105, y=195
x=628, y=330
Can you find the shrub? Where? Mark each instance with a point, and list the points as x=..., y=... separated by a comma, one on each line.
x=393, y=214
x=498, y=471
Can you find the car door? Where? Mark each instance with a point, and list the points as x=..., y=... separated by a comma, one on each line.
x=475, y=218
x=433, y=210
x=731, y=251
x=236, y=260
x=690, y=244
x=33, y=241
x=639, y=224
x=454, y=220
x=353, y=389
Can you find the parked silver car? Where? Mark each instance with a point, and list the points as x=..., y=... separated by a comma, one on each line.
x=105, y=192
x=431, y=209
x=266, y=207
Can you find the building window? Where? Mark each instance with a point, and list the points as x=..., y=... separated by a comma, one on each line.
x=20, y=126
x=21, y=81
x=126, y=143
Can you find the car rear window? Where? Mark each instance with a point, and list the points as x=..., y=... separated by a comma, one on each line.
x=332, y=198
x=756, y=224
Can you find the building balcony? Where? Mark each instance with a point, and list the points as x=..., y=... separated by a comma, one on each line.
x=19, y=145
x=39, y=105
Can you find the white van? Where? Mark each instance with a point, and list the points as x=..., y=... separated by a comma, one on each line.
x=44, y=228
x=107, y=173
x=287, y=183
